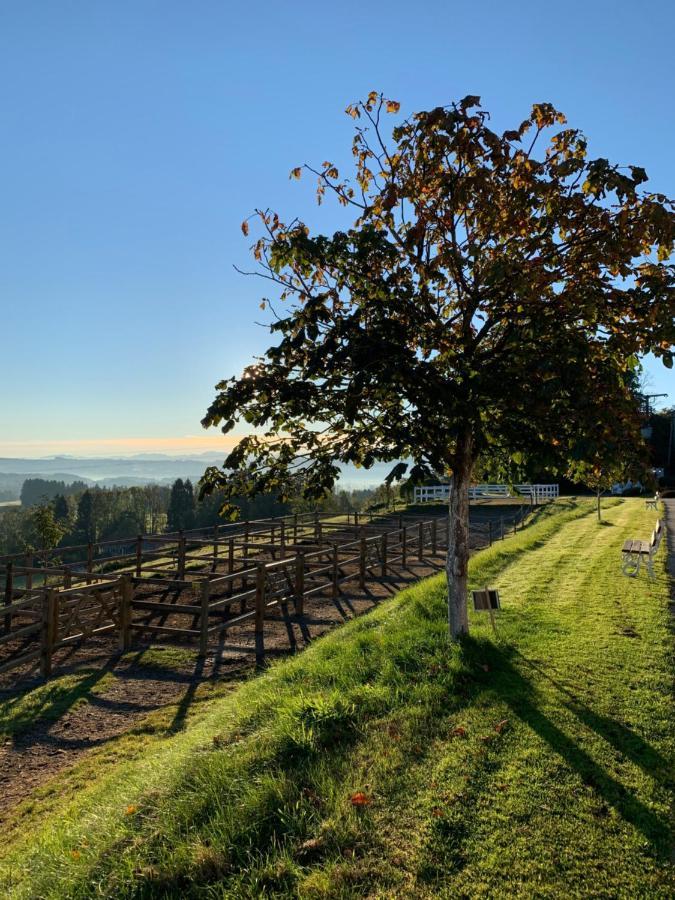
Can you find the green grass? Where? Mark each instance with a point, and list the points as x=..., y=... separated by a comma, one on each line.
x=49, y=701
x=537, y=762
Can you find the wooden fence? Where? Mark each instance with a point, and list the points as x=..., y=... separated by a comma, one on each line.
x=236, y=574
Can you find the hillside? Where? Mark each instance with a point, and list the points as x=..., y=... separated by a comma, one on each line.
x=381, y=762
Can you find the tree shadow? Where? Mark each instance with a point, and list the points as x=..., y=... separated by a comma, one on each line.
x=521, y=695
x=57, y=698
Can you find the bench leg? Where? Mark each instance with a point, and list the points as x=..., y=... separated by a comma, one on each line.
x=631, y=565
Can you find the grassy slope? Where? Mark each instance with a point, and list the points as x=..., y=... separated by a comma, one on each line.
x=537, y=763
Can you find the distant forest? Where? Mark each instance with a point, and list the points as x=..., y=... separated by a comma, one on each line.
x=54, y=514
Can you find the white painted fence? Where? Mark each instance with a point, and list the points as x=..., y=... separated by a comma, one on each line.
x=540, y=492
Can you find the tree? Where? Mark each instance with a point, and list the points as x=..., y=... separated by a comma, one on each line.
x=86, y=519
x=181, y=513
x=44, y=530
x=489, y=296
x=61, y=508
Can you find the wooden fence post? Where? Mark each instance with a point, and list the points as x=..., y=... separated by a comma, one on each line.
x=383, y=553
x=356, y=518
x=433, y=537
x=295, y=528
x=67, y=577
x=139, y=555
x=47, y=636
x=362, y=564
x=335, y=570
x=126, y=592
x=204, y=618
x=282, y=539
x=489, y=532
x=29, y=575
x=501, y=527
x=230, y=564
x=215, y=547
x=316, y=526
x=260, y=599
x=420, y=541
x=181, y=556
x=404, y=548
x=300, y=584
x=9, y=591
x=90, y=560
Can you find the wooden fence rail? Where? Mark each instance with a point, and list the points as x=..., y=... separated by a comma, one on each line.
x=266, y=564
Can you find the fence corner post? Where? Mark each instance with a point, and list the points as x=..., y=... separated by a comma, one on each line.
x=433, y=537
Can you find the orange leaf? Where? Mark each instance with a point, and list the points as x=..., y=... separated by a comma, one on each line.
x=244, y=227
x=393, y=106
x=295, y=173
x=75, y=854
x=130, y=810
x=460, y=731
x=500, y=726
x=360, y=799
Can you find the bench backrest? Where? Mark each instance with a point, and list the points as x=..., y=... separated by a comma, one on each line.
x=657, y=533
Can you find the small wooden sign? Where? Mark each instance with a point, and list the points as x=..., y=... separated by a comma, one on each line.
x=486, y=600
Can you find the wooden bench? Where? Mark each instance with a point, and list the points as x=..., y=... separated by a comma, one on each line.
x=650, y=502
x=635, y=552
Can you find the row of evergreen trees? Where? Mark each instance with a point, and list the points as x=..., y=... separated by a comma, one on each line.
x=61, y=517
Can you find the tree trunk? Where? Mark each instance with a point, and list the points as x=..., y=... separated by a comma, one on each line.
x=457, y=563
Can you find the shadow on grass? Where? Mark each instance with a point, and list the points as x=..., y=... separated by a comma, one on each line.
x=521, y=694
x=22, y=712
x=620, y=736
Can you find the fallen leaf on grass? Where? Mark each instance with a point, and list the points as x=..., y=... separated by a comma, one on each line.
x=130, y=810
x=460, y=731
x=360, y=799
x=500, y=726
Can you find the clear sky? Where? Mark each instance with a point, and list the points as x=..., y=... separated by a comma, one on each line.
x=135, y=135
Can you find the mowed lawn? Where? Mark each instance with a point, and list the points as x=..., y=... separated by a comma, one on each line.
x=384, y=762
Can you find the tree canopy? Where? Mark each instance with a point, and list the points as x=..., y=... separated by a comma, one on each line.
x=491, y=295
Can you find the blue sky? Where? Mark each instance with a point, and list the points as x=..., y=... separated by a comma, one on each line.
x=136, y=136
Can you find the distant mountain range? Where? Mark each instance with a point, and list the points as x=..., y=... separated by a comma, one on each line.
x=144, y=468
